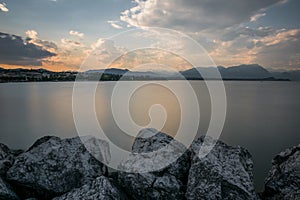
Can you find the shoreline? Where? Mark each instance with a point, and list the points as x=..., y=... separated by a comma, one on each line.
x=243, y=80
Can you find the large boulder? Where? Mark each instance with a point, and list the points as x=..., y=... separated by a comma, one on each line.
x=283, y=181
x=6, y=159
x=225, y=173
x=53, y=166
x=166, y=181
x=100, y=189
x=6, y=192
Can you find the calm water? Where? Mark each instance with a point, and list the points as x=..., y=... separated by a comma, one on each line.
x=263, y=117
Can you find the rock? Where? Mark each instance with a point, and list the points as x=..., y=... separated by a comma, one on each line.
x=41, y=141
x=283, y=181
x=100, y=189
x=6, y=192
x=6, y=159
x=168, y=182
x=53, y=166
x=225, y=173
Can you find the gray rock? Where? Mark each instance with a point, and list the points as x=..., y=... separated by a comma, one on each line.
x=41, y=141
x=53, y=166
x=100, y=189
x=165, y=183
x=6, y=192
x=225, y=173
x=283, y=181
x=6, y=159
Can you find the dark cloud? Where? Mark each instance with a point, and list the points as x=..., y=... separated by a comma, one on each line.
x=14, y=50
x=234, y=33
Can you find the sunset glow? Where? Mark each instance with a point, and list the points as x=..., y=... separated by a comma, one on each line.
x=60, y=34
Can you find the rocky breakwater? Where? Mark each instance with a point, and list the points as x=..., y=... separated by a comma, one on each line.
x=283, y=181
x=7, y=157
x=62, y=169
x=53, y=166
x=156, y=178
x=225, y=173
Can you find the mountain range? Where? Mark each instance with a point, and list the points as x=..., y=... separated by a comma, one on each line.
x=241, y=72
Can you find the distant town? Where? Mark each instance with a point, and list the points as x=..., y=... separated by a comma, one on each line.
x=32, y=75
x=43, y=75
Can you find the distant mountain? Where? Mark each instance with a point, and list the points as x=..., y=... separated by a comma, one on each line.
x=247, y=72
x=291, y=75
x=126, y=72
x=241, y=72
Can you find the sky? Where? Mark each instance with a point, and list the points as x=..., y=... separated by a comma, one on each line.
x=59, y=34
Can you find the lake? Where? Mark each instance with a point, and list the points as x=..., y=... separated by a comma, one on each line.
x=263, y=117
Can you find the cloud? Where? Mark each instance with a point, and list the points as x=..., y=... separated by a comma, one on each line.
x=66, y=59
x=14, y=50
x=70, y=55
x=31, y=34
x=255, y=17
x=193, y=15
x=70, y=43
x=275, y=48
x=76, y=33
x=34, y=39
x=33, y=51
x=103, y=51
x=144, y=57
x=71, y=52
x=3, y=7
x=115, y=24
x=280, y=37
x=280, y=50
x=222, y=28
x=235, y=32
